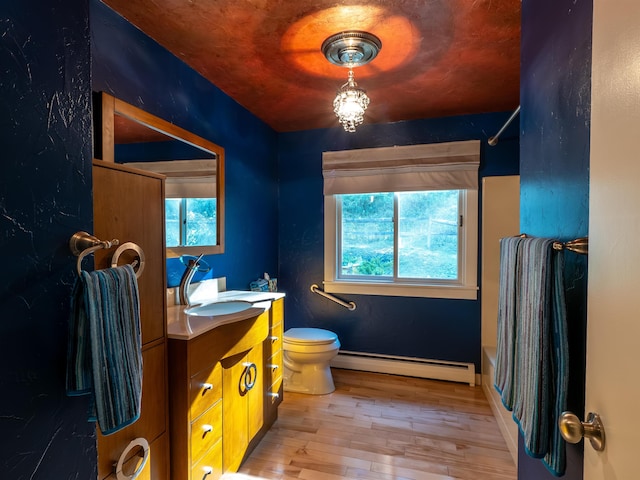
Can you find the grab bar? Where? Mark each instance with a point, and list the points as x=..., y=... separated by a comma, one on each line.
x=350, y=305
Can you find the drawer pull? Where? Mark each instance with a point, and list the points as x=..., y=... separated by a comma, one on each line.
x=137, y=443
x=207, y=429
x=274, y=339
x=207, y=386
x=207, y=471
x=274, y=367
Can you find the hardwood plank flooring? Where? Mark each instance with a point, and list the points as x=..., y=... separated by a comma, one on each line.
x=383, y=427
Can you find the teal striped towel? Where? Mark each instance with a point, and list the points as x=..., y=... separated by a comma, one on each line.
x=532, y=375
x=104, y=356
x=507, y=307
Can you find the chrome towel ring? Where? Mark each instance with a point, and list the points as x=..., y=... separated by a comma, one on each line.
x=139, y=263
x=83, y=244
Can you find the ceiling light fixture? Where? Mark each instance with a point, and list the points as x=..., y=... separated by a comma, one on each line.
x=351, y=49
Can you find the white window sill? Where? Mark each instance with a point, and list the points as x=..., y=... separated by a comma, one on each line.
x=460, y=292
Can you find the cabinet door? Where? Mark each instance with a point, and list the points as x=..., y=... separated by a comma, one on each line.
x=152, y=422
x=242, y=386
x=255, y=397
x=128, y=204
x=235, y=430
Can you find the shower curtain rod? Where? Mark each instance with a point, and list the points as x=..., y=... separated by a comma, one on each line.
x=494, y=140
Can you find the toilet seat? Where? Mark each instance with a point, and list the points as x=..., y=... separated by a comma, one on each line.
x=309, y=336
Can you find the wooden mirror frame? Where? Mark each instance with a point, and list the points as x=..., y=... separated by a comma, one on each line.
x=109, y=107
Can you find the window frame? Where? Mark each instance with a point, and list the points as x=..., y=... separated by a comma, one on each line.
x=466, y=287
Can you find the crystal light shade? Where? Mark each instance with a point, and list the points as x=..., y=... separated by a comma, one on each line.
x=351, y=49
x=350, y=104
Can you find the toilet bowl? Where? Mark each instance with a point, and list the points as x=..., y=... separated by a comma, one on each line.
x=307, y=354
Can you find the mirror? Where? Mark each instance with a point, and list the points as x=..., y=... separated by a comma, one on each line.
x=194, y=167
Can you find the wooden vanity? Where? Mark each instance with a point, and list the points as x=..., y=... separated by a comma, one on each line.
x=225, y=385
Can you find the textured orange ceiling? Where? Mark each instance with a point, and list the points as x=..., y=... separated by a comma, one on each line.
x=438, y=57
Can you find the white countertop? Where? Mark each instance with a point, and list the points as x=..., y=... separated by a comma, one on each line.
x=181, y=326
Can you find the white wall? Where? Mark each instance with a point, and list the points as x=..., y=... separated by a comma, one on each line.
x=500, y=218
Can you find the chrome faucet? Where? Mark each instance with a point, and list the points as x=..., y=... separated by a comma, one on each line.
x=192, y=264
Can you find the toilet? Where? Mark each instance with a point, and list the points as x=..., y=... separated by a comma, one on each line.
x=307, y=354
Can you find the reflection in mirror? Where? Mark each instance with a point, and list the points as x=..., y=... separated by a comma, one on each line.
x=193, y=166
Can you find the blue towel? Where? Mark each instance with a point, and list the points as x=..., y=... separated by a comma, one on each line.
x=507, y=307
x=532, y=345
x=105, y=345
x=555, y=459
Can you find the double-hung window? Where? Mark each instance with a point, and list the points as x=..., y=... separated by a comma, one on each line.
x=402, y=221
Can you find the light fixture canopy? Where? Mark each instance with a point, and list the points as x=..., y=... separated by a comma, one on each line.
x=351, y=49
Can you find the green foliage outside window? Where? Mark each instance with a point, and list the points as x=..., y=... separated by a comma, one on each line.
x=426, y=244
x=190, y=221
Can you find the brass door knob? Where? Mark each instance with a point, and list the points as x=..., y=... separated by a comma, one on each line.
x=572, y=429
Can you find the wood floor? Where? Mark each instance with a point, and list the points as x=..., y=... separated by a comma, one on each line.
x=383, y=427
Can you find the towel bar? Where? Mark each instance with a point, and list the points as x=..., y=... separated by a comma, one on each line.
x=578, y=245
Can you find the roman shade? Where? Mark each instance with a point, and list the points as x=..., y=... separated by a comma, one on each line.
x=438, y=166
x=185, y=178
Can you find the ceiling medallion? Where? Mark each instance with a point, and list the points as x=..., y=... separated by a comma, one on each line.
x=351, y=49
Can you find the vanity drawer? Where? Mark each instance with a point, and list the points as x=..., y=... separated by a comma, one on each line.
x=206, y=431
x=274, y=395
x=275, y=338
x=273, y=368
x=205, y=389
x=210, y=466
x=277, y=311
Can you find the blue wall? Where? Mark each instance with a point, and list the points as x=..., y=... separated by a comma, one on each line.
x=273, y=216
x=442, y=329
x=45, y=197
x=554, y=166
x=131, y=66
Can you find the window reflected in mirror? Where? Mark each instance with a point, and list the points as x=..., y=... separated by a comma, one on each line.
x=190, y=222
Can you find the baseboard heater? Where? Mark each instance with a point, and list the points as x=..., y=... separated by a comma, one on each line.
x=408, y=366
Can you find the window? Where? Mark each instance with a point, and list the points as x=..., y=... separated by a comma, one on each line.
x=417, y=239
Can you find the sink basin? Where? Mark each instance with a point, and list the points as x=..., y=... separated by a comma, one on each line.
x=218, y=308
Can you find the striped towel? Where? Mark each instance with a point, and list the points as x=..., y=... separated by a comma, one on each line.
x=105, y=346
x=533, y=347
x=555, y=459
x=507, y=306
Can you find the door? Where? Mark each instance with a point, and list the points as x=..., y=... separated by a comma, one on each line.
x=613, y=325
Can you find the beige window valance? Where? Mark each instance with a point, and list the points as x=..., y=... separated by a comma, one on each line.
x=185, y=178
x=438, y=166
